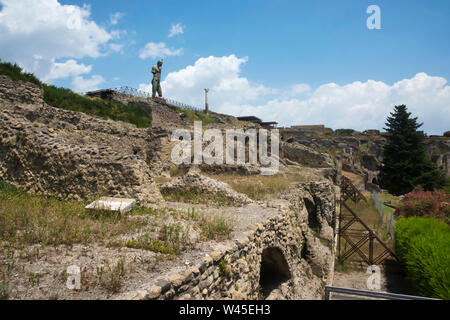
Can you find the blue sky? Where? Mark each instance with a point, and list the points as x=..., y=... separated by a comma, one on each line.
x=296, y=62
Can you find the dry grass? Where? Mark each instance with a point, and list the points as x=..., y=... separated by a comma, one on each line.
x=354, y=178
x=190, y=196
x=111, y=276
x=29, y=219
x=259, y=187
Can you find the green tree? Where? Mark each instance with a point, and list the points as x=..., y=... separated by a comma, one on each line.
x=405, y=161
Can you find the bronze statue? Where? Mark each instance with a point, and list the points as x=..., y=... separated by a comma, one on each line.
x=156, y=87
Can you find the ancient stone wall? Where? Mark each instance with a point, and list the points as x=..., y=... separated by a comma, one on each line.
x=69, y=154
x=162, y=114
x=286, y=257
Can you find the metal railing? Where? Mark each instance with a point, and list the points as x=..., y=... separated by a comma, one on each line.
x=147, y=95
x=371, y=294
x=387, y=218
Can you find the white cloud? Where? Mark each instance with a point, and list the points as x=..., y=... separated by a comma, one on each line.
x=36, y=33
x=81, y=84
x=66, y=69
x=358, y=105
x=118, y=34
x=115, y=17
x=363, y=105
x=219, y=74
x=155, y=50
x=116, y=47
x=176, y=29
x=299, y=89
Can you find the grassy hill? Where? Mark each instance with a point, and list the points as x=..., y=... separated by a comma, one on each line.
x=67, y=99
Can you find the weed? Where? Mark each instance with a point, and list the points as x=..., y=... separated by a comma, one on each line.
x=112, y=278
x=224, y=269
x=5, y=291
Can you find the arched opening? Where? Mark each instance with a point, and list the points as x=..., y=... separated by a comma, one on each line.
x=374, y=181
x=274, y=270
x=313, y=221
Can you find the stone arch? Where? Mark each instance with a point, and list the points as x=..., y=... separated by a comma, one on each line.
x=375, y=181
x=274, y=270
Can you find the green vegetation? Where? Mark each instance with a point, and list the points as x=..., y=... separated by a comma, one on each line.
x=111, y=277
x=422, y=245
x=430, y=204
x=4, y=290
x=29, y=219
x=405, y=161
x=344, y=132
x=15, y=72
x=224, y=269
x=196, y=116
x=216, y=226
x=67, y=99
x=259, y=187
x=192, y=196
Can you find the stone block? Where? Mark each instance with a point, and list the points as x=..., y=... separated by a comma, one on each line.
x=112, y=204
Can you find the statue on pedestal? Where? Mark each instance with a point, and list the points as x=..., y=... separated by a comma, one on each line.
x=156, y=87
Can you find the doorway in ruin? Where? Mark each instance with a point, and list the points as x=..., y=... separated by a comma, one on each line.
x=274, y=270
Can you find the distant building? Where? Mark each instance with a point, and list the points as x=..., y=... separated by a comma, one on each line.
x=253, y=119
x=372, y=132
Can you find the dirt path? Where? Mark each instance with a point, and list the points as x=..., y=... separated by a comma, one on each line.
x=391, y=280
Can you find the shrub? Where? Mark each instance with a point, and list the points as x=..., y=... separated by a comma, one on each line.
x=422, y=245
x=429, y=204
x=67, y=99
x=344, y=132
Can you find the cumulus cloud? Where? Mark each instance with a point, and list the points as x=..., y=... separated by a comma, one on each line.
x=155, y=50
x=66, y=69
x=358, y=105
x=363, y=105
x=219, y=74
x=176, y=29
x=82, y=85
x=36, y=33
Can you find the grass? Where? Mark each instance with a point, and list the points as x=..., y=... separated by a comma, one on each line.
x=5, y=290
x=66, y=99
x=387, y=197
x=216, y=227
x=354, y=178
x=196, y=116
x=111, y=277
x=188, y=196
x=29, y=219
x=259, y=187
x=368, y=213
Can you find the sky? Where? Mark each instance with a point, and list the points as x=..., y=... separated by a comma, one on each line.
x=295, y=62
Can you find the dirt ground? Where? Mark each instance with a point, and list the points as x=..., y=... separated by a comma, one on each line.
x=392, y=279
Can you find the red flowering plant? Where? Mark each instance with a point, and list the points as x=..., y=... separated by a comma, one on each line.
x=429, y=204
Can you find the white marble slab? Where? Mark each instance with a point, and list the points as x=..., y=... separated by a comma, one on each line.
x=112, y=204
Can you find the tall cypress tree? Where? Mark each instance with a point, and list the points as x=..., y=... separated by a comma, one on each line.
x=405, y=162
